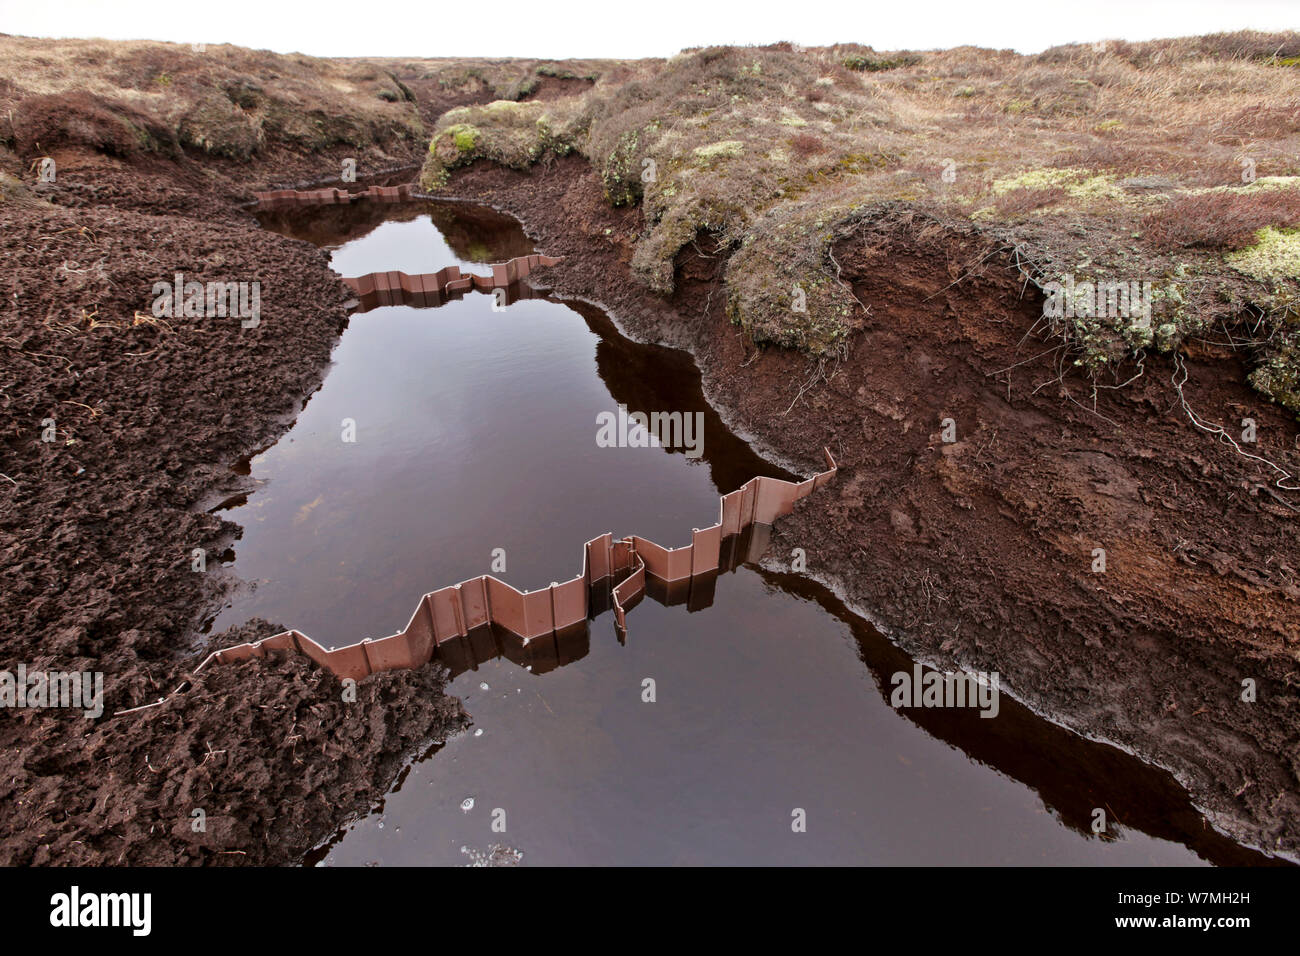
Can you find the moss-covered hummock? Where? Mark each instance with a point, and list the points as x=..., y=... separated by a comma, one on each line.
x=505, y=132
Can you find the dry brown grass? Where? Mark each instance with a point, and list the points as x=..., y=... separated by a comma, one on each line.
x=1259, y=46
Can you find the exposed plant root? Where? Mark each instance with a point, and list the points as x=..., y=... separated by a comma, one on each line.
x=1180, y=368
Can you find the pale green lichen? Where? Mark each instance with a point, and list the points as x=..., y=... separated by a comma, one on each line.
x=1278, y=375
x=1259, y=184
x=1077, y=183
x=1275, y=255
x=726, y=149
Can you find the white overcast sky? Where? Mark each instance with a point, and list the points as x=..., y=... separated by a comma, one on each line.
x=631, y=28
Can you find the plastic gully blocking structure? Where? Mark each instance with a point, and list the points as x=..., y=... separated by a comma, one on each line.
x=399, y=288
x=287, y=198
x=377, y=289
x=452, y=613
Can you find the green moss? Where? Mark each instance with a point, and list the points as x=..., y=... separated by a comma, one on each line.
x=464, y=136
x=511, y=134
x=784, y=264
x=1278, y=377
x=504, y=109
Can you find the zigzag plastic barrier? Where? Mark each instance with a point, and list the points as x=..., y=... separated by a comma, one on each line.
x=570, y=644
x=286, y=198
x=452, y=613
x=377, y=289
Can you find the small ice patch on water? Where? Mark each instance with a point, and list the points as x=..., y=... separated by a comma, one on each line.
x=467, y=805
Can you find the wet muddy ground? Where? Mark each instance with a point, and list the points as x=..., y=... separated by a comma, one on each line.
x=771, y=698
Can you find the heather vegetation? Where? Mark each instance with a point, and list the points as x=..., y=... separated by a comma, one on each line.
x=1174, y=162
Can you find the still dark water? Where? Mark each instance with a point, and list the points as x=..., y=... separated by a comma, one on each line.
x=475, y=431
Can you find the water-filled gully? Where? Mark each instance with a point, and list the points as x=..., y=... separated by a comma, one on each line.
x=475, y=442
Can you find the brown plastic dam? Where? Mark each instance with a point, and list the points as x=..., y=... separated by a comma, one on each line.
x=284, y=198
x=424, y=289
x=453, y=612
